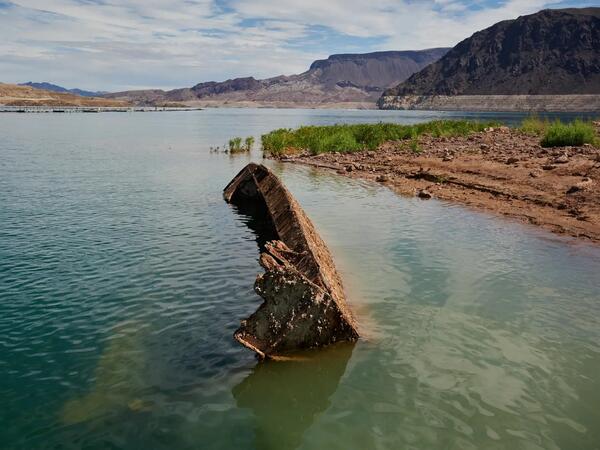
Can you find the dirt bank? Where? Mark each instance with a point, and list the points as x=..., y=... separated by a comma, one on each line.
x=501, y=170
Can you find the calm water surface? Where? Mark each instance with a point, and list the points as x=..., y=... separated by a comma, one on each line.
x=123, y=275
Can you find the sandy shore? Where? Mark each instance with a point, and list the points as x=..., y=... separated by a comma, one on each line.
x=502, y=171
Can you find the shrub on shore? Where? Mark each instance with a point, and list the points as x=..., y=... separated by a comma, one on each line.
x=351, y=138
x=576, y=133
x=560, y=134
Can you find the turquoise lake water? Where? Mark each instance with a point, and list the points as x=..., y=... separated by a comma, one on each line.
x=123, y=275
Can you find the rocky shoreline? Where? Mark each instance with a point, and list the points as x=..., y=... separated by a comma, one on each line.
x=501, y=170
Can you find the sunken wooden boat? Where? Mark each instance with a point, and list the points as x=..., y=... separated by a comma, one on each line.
x=304, y=303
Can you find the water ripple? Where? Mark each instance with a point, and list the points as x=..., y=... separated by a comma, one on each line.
x=123, y=276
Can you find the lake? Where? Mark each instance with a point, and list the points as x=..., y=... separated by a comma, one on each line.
x=123, y=275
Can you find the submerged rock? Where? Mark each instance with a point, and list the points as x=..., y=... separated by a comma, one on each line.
x=304, y=303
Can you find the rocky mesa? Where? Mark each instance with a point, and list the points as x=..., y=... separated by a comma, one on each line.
x=345, y=79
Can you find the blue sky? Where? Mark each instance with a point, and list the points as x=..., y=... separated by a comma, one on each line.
x=132, y=44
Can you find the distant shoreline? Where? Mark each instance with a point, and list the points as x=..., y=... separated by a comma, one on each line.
x=87, y=109
x=585, y=103
x=588, y=103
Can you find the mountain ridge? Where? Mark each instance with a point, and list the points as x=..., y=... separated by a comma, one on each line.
x=44, y=85
x=341, y=78
x=551, y=52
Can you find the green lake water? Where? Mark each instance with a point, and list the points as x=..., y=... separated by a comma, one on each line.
x=123, y=275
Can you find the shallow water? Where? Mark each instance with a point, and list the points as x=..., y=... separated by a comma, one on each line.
x=123, y=275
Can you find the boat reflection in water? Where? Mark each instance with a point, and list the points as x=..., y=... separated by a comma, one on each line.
x=287, y=396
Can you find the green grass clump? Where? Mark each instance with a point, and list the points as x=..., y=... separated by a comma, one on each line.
x=576, y=133
x=414, y=142
x=535, y=126
x=235, y=145
x=249, y=143
x=351, y=138
x=239, y=145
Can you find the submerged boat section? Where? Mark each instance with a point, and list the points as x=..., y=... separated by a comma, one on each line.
x=304, y=302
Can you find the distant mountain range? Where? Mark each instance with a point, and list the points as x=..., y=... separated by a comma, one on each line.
x=548, y=53
x=54, y=88
x=339, y=79
x=17, y=95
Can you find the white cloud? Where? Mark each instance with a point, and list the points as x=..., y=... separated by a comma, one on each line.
x=172, y=43
x=404, y=24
